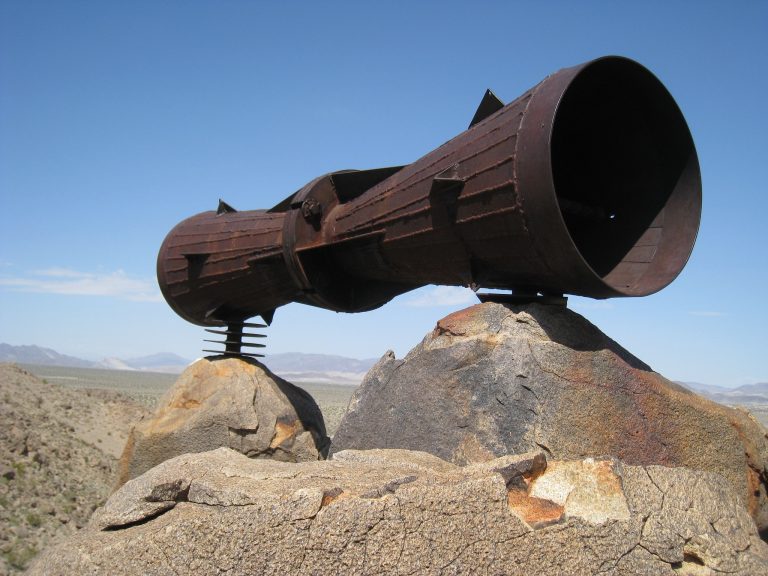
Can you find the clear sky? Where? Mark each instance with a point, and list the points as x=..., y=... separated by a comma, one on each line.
x=119, y=119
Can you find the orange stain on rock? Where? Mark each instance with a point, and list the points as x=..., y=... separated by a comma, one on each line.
x=456, y=323
x=536, y=512
x=187, y=404
x=332, y=495
x=283, y=431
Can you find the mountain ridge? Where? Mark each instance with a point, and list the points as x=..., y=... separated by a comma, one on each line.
x=293, y=366
x=745, y=394
x=32, y=354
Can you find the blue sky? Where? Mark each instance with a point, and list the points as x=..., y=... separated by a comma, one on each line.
x=119, y=119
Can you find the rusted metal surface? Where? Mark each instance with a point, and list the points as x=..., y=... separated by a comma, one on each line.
x=586, y=184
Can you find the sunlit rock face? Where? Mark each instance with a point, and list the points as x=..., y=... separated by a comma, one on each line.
x=227, y=402
x=496, y=379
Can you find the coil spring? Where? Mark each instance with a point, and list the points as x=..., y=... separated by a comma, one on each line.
x=234, y=340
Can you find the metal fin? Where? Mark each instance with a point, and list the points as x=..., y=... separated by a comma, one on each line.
x=220, y=353
x=234, y=340
x=247, y=324
x=350, y=184
x=224, y=208
x=447, y=180
x=249, y=344
x=284, y=205
x=488, y=105
x=268, y=316
x=234, y=332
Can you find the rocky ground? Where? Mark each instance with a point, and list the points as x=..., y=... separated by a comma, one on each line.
x=58, y=456
x=407, y=512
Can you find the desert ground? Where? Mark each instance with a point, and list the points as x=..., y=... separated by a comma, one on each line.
x=62, y=431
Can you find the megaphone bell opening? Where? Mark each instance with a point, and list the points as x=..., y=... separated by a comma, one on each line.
x=626, y=176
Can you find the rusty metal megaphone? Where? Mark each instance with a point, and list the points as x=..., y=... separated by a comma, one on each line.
x=587, y=184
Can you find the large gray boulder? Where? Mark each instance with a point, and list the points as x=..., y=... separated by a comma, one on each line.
x=232, y=402
x=400, y=512
x=496, y=379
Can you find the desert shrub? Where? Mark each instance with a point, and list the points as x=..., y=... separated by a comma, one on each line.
x=34, y=520
x=20, y=556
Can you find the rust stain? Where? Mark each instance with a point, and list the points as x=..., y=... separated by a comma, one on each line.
x=186, y=403
x=756, y=482
x=536, y=512
x=229, y=369
x=644, y=419
x=455, y=324
x=606, y=477
x=330, y=496
x=283, y=432
x=753, y=488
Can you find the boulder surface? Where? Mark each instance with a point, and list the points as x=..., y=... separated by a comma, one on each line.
x=497, y=379
x=231, y=402
x=401, y=512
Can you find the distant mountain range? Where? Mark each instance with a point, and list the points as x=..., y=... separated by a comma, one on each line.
x=32, y=354
x=163, y=362
x=294, y=367
x=319, y=368
x=299, y=367
x=39, y=355
x=746, y=394
x=297, y=361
